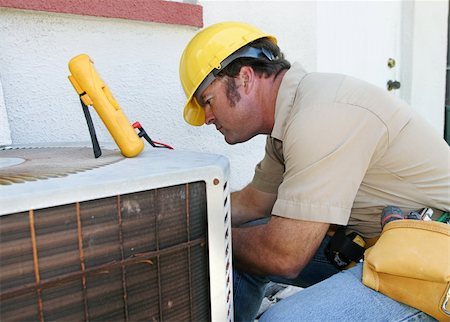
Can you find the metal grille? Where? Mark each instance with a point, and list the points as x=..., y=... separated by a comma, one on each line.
x=140, y=256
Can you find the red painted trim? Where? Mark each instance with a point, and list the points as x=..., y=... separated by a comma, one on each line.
x=169, y=12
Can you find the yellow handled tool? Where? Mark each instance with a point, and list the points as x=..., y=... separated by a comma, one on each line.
x=94, y=92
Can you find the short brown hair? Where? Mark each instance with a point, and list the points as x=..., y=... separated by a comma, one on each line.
x=262, y=66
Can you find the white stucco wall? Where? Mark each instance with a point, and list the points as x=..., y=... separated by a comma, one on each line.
x=134, y=58
x=139, y=62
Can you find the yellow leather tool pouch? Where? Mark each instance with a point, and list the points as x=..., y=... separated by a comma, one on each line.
x=410, y=263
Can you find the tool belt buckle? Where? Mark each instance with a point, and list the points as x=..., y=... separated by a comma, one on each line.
x=343, y=249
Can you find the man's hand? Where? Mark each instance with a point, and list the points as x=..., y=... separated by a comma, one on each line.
x=250, y=204
x=282, y=247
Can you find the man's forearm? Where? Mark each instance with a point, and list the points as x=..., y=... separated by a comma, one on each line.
x=281, y=247
x=250, y=253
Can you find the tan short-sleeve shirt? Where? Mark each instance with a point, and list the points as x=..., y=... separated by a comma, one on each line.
x=342, y=149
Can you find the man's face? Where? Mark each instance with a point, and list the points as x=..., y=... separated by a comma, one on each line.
x=226, y=106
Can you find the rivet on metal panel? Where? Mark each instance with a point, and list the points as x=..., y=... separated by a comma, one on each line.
x=216, y=181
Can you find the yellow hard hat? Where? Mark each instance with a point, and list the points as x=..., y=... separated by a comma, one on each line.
x=210, y=50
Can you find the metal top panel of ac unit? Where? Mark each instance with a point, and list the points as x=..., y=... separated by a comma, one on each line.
x=38, y=177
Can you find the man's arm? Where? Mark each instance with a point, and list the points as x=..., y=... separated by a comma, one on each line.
x=282, y=247
x=250, y=204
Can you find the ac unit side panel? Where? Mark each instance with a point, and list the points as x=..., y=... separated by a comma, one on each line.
x=219, y=228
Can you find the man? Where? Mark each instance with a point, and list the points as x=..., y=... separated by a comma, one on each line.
x=338, y=152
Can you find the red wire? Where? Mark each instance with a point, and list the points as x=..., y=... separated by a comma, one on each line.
x=163, y=144
x=138, y=125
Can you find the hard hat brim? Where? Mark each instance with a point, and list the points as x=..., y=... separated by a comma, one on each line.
x=193, y=113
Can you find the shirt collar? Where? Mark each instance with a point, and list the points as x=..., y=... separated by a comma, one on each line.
x=285, y=98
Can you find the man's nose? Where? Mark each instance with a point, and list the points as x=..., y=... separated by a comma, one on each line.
x=209, y=116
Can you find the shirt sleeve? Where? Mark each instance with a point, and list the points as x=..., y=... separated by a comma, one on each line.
x=327, y=151
x=269, y=171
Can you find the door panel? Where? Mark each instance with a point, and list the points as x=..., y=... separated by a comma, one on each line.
x=358, y=38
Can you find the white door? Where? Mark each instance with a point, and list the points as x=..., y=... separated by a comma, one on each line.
x=358, y=38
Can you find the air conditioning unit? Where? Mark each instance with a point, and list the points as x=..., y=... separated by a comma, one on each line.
x=114, y=238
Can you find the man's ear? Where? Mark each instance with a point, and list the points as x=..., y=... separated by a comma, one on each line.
x=246, y=78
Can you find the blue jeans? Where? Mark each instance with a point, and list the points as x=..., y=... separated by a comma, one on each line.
x=332, y=296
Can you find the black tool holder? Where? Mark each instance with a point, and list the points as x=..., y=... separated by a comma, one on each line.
x=90, y=124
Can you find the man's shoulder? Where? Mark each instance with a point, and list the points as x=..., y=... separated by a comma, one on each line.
x=331, y=90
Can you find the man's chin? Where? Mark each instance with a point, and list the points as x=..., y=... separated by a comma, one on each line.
x=229, y=141
x=233, y=141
